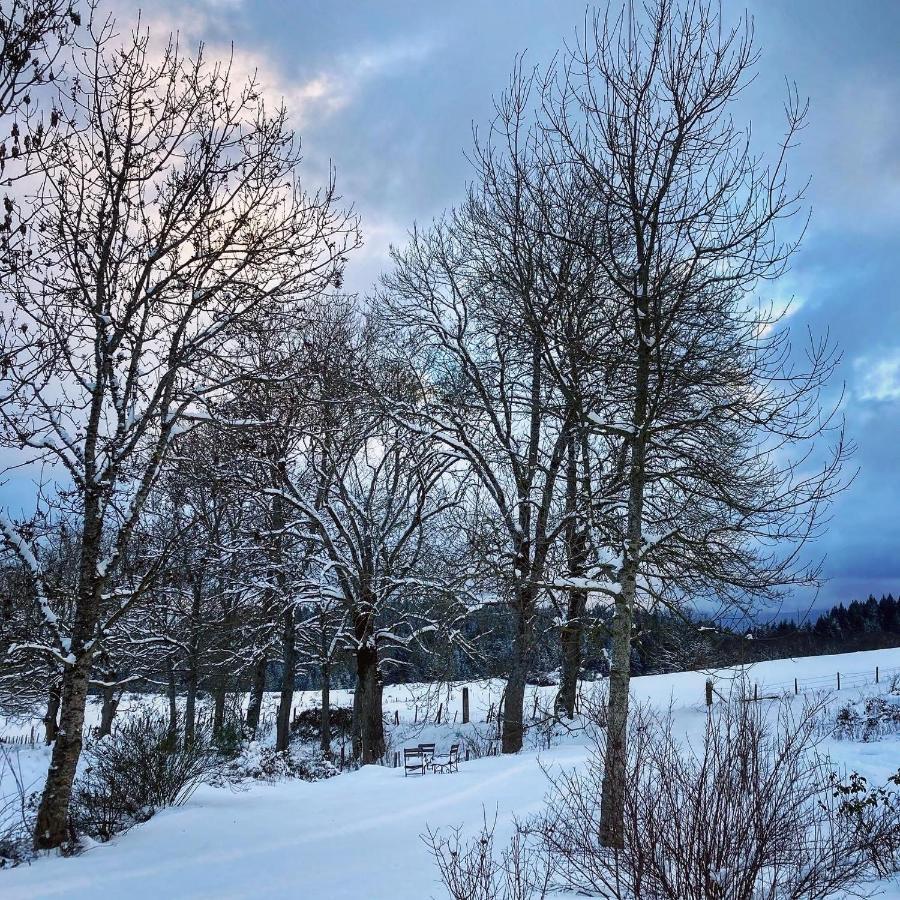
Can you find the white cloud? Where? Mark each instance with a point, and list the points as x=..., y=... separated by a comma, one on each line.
x=878, y=378
x=319, y=96
x=337, y=87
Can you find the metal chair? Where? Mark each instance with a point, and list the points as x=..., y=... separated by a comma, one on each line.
x=428, y=751
x=413, y=761
x=448, y=763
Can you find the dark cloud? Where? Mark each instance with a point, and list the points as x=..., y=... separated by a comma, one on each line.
x=389, y=92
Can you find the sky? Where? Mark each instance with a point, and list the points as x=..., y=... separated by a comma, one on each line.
x=388, y=93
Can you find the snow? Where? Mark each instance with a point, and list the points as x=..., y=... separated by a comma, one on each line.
x=359, y=834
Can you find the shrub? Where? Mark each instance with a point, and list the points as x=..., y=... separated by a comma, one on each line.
x=869, y=720
x=306, y=725
x=478, y=738
x=17, y=811
x=471, y=870
x=543, y=679
x=267, y=764
x=754, y=811
x=142, y=766
x=229, y=739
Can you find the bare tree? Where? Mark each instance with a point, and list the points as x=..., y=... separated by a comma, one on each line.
x=492, y=304
x=34, y=35
x=373, y=516
x=169, y=215
x=716, y=419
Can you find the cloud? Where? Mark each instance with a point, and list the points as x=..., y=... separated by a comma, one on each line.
x=315, y=97
x=857, y=181
x=336, y=87
x=878, y=378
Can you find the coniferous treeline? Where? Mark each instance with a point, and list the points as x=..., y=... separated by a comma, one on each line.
x=669, y=643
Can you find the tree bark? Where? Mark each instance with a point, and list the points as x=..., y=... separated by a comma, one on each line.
x=612, y=801
x=51, y=719
x=257, y=689
x=355, y=739
x=52, y=824
x=283, y=719
x=325, y=723
x=368, y=693
x=173, y=699
x=570, y=640
x=576, y=553
x=219, y=704
x=514, y=697
x=193, y=669
x=108, y=710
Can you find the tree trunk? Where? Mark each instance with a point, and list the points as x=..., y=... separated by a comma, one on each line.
x=570, y=640
x=193, y=670
x=52, y=824
x=108, y=710
x=514, y=697
x=355, y=738
x=257, y=689
x=612, y=801
x=576, y=540
x=368, y=708
x=51, y=719
x=283, y=720
x=325, y=723
x=173, y=699
x=190, y=702
x=51, y=827
x=219, y=705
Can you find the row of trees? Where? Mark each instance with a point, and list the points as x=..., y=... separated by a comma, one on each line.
x=565, y=394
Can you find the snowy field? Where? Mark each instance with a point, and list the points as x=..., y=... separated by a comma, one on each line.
x=358, y=835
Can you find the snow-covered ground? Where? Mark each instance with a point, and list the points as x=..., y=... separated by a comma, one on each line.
x=358, y=835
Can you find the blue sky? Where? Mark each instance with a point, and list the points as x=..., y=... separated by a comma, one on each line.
x=388, y=91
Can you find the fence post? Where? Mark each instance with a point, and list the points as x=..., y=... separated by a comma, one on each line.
x=839, y=680
x=709, y=691
x=796, y=687
x=876, y=674
x=396, y=716
x=465, y=705
x=440, y=710
x=755, y=691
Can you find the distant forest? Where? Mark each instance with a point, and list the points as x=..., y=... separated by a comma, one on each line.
x=663, y=643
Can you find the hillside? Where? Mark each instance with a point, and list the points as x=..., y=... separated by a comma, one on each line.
x=358, y=834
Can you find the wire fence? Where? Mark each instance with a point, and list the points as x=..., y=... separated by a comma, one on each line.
x=838, y=681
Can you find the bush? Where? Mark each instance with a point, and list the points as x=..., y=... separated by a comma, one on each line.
x=869, y=720
x=17, y=811
x=267, y=764
x=306, y=725
x=543, y=679
x=229, y=739
x=754, y=811
x=471, y=870
x=141, y=767
x=479, y=739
